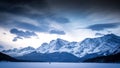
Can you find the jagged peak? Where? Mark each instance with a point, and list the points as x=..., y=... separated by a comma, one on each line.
x=59, y=39
x=44, y=44
x=105, y=36
x=29, y=47
x=112, y=35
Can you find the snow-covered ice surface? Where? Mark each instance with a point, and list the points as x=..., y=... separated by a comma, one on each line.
x=56, y=65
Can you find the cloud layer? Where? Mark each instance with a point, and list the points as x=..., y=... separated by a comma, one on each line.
x=57, y=32
x=30, y=15
x=99, y=34
x=21, y=34
x=100, y=27
x=51, y=19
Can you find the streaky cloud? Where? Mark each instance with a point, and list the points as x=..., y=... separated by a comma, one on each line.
x=27, y=26
x=100, y=27
x=59, y=32
x=59, y=19
x=99, y=34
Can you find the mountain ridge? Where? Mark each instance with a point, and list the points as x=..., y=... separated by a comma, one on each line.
x=4, y=57
x=88, y=48
x=49, y=57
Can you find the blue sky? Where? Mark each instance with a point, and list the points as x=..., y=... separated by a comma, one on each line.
x=33, y=22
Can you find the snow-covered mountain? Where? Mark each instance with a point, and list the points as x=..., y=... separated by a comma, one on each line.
x=100, y=46
x=105, y=45
x=53, y=46
x=19, y=52
x=43, y=48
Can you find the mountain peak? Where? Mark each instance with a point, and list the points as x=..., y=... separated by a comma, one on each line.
x=28, y=48
x=112, y=35
x=58, y=39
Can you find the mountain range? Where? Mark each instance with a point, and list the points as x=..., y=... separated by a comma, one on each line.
x=60, y=50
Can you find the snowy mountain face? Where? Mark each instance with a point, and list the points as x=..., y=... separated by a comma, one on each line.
x=43, y=48
x=108, y=44
x=19, y=52
x=69, y=47
x=101, y=46
x=53, y=46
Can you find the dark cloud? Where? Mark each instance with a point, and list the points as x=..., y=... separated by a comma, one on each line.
x=99, y=27
x=41, y=28
x=42, y=10
x=21, y=34
x=48, y=6
x=59, y=32
x=16, y=38
x=99, y=34
x=23, y=8
x=59, y=19
x=14, y=5
x=85, y=5
x=37, y=10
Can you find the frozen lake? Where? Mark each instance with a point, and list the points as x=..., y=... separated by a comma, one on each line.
x=56, y=65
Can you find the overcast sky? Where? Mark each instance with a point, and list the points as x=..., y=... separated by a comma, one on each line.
x=32, y=22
